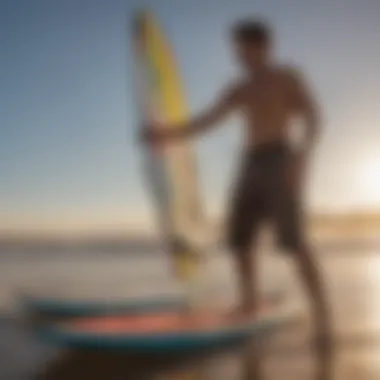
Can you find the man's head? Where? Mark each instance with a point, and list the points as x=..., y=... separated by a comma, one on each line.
x=253, y=41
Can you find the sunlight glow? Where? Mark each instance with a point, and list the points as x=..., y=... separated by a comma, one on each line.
x=368, y=181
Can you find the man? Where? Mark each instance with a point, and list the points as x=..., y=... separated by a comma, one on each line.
x=268, y=96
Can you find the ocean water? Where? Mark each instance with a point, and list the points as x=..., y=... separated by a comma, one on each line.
x=102, y=274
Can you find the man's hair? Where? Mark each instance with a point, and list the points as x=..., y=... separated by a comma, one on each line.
x=252, y=31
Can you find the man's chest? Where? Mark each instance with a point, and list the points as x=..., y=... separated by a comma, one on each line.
x=266, y=95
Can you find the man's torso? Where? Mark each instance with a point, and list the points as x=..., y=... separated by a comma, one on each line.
x=267, y=105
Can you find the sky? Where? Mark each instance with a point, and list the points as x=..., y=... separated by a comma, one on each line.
x=68, y=152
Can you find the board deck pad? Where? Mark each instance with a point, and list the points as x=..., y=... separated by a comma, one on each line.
x=170, y=168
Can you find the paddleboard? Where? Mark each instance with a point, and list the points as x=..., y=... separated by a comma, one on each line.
x=166, y=330
x=171, y=168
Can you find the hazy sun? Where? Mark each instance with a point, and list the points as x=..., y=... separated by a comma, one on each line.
x=369, y=182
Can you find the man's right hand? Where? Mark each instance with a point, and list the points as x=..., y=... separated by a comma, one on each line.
x=152, y=134
x=148, y=134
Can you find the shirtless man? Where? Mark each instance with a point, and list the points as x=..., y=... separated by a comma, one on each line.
x=268, y=96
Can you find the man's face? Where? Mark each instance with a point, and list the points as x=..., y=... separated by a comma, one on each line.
x=251, y=55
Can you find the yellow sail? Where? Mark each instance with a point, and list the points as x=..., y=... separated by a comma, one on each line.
x=162, y=99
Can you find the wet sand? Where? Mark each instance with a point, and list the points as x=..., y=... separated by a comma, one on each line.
x=353, y=283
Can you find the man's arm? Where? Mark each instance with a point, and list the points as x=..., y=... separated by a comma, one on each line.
x=219, y=110
x=305, y=106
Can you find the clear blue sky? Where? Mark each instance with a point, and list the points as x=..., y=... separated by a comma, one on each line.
x=67, y=148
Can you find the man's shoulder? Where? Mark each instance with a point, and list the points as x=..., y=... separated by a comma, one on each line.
x=234, y=88
x=235, y=85
x=289, y=71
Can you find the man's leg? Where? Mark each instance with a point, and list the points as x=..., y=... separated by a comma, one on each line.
x=246, y=264
x=243, y=230
x=311, y=277
x=291, y=230
x=286, y=203
x=245, y=216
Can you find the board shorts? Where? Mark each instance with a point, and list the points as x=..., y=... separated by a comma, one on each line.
x=262, y=194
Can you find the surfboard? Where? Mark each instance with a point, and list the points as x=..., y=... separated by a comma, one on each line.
x=170, y=169
x=166, y=330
